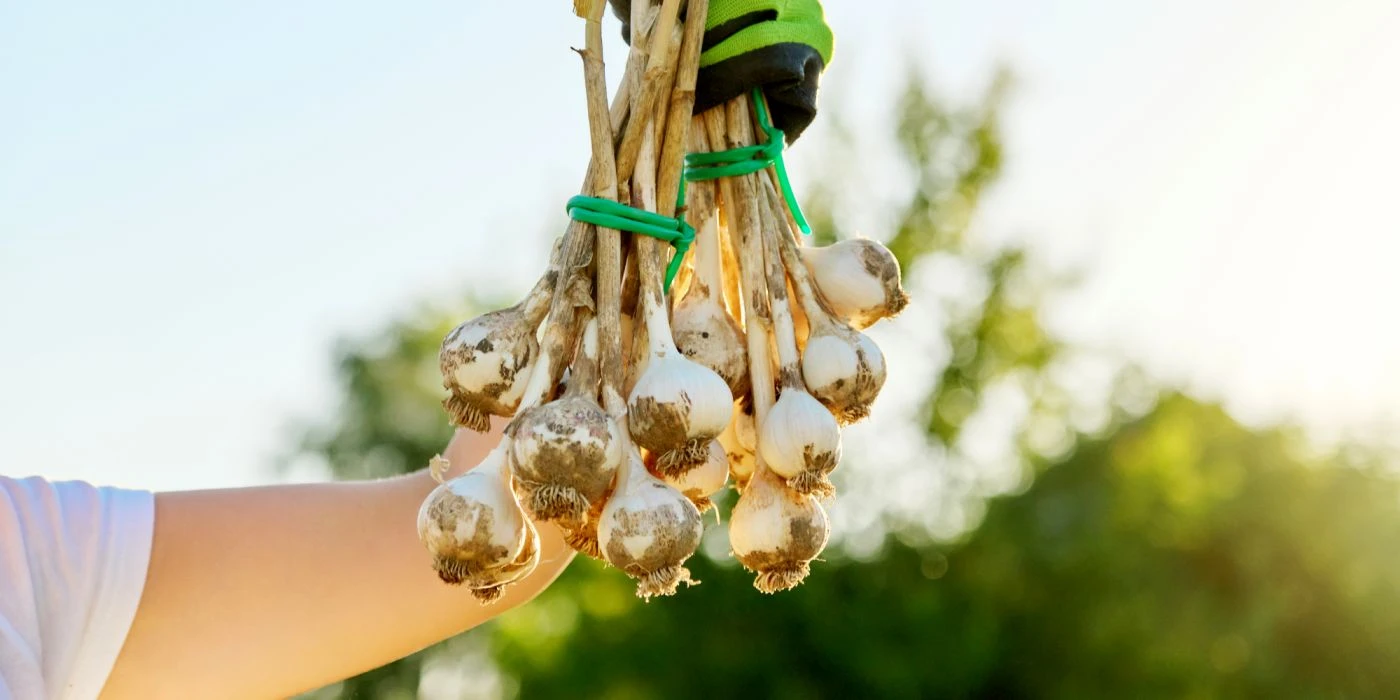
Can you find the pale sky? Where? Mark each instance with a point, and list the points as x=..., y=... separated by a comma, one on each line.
x=196, y=201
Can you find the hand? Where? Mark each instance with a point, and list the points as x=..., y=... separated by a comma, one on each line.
x=271, y=591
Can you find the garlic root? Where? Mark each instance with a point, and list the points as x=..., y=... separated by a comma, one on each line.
x=583, y=538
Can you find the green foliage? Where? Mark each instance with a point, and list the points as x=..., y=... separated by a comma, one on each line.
x=1187, y=556
x=390, y=420
x=1179, y=554
x=1183, y=556
x=954, y=155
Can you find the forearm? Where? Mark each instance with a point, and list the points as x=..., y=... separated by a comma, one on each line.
x=279, y=589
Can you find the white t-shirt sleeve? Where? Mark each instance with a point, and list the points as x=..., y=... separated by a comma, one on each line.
x=73, y=561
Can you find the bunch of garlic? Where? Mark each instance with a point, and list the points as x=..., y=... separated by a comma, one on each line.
x=728, y=383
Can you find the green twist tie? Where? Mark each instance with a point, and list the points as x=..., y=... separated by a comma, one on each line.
x=610, y=214
x=746, y=160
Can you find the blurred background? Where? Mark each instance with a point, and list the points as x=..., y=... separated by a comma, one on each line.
x=1139, y=439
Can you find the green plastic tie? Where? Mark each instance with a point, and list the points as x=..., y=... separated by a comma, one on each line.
x=610, y=214
x=748, y=159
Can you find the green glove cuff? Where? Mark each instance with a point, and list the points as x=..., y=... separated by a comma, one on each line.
x=778, y=46
x=786, y=22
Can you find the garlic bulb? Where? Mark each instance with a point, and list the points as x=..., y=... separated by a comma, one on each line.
x=703, y=329
x=472, y=523
x=740, y=441
x=844, y=369
x=776, y=532
x=706, y=333
x=709, y=478
x=485, y=361
x=676, y=408
x=648, y=530
x=801, y=442
x=798, y=439
x=567, y=451
x=488, y=586
x=859, y=278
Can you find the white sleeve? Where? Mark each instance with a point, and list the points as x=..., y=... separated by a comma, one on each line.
x=73, y=561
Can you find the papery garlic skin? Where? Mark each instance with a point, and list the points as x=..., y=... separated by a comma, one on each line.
x=845, y=371
x=488, y=586
x=648, y=529
x=709, y=478
x=472, y=523
x=740, y=441
x=485, y=363
x=676, y=408
x=775, y=533
x=801, y=442
x=801, y=325
x=566, y=457
x=859, y=278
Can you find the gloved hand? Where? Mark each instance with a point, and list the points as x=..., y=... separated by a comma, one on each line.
x=781, y=46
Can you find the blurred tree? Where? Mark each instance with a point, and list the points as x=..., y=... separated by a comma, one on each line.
x=1177, y=554
x=1182, y=556
x=389, y=422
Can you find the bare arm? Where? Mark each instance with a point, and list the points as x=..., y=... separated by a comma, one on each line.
x=266, y=592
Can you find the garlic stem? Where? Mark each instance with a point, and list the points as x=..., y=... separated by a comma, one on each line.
x=818, y=317
x=538, y=386
x=632, y=327
x=732, y=129
x=635, y=66
x=653, y=81
x=495, y=461
x=583, y=373
x=667, y=141
x=704, y=218
x=649, y=266
x=677, y=122
x=785, y=336
x=729, y=260
x=561, y=329
x=536, y=304
x=608, y=251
